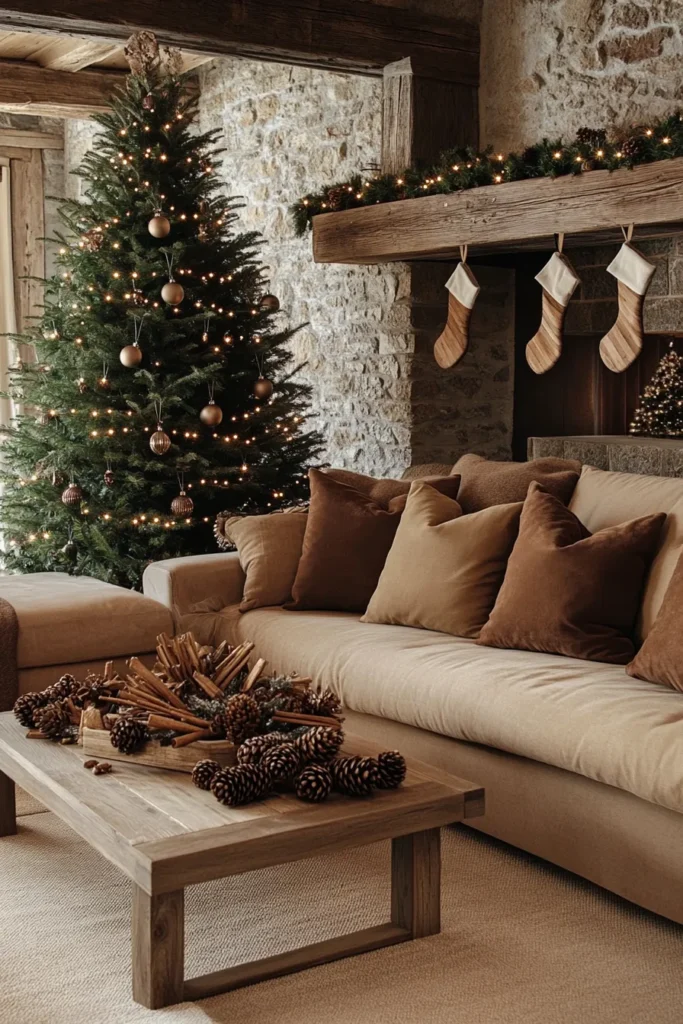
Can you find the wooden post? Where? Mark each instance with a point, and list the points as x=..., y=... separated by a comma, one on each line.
x=8, y=811
x=158, y=935
x=416, y=882
x=423, y=115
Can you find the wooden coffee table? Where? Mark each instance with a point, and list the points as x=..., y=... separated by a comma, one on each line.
x=165, y=834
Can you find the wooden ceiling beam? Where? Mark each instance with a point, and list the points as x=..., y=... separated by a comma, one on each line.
x=29, y=89
x=345, y=35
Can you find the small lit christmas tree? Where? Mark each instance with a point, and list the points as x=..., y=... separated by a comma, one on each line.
x=660, y=410
x=163, y=390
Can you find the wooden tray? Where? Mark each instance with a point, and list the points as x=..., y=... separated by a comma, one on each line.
x=96, y=743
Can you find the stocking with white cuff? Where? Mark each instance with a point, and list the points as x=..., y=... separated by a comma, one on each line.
x=463, y=289
x=558, y=280
x=623, y=342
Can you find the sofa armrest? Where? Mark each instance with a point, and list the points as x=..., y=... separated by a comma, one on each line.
x=195, y=583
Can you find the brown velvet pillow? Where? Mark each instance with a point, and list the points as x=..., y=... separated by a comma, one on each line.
x=346, y=543
x=660, y=659
x=570, y=592
x=388, y=493
x=486, y=483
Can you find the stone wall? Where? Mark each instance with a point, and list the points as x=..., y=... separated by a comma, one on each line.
x=550, y=66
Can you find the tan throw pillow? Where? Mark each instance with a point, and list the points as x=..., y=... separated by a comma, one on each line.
x=487, y=483
x=346, y=543
x=444, y=569
x=660, y=659
x=570, y=592
x=269, y=549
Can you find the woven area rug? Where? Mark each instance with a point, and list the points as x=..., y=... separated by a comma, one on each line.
x=522, y=942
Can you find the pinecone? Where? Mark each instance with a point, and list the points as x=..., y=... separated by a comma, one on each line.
x=53, y=718
x=26, y=707
x=324, y=703
x=203, y=773
x=634, y=147
x=319, y=744
x=64, y=687
x=241, y=784
x=282, y=761
x=334, y=197
x=314, y=784
x=240, y=718
x=354, y=776
x=128, y=734
x=391, y=769
x=252, y=750
x=591, y=137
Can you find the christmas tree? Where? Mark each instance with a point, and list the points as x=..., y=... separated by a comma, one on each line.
x=162, y=391
x=660, y=410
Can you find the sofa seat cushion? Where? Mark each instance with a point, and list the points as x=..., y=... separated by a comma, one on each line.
x=65, y=619
x=590, y=718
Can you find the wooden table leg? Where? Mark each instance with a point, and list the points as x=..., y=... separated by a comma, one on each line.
x=8, y=810
x=416, y=882
x=158, y=948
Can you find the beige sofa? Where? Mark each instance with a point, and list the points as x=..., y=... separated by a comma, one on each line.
x=582, y=764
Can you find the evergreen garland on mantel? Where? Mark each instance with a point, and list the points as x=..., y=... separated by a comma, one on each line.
x=464, y=168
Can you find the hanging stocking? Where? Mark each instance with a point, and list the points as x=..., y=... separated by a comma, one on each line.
x=558, y=280
x=623, y=343
x=463, y=289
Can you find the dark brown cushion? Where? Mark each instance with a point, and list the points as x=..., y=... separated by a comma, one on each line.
x=660, y=659
x=388, y=493
x=570, y=592
x=347, y=541
x=484, y=483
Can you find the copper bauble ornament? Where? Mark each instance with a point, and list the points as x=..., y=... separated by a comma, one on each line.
x=159, y=226
x=263, y=388
x=148, y=101
x=159, y=442
x=131, y=355
x=82, y=385
x=270, y=303
x=104, y=383
x=173, y=293
x=211, y=414
x=109, y=478
x=205, y=337
x=182, y=505
x=73, y=495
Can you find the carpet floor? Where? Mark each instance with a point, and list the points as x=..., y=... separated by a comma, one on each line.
x=522, y=942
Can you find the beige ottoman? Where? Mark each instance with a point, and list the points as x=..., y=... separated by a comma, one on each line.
x=75, y=624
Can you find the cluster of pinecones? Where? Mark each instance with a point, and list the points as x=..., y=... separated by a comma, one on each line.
x=48, y=710
x=310, y=763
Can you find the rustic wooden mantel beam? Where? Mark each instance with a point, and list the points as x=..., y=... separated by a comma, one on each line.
x=497, y=218
x=27, y=88
x=346, y=35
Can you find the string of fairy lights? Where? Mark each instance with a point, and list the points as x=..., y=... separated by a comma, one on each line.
x=464, y=168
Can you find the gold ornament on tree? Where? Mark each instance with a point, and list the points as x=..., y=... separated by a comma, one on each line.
x=159, y=442
x=104, y=381
x=131, y=355
x=270, y=303
x=205, y=332
x=172, y=292
x=72, y=496
x=212, y=414
x=182, y=505
x=263, y=388
x=109, y=475
x=159, y=226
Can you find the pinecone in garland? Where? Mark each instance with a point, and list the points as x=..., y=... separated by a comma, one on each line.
x=283, y=761
x=53, y=719
x=314, y=784
x=319, y=744
x=128, y=734
x=596, y=137
x=634, y=147
x=391, y=769
x=64, y=687
x=203, y=773
x=240, y=719
x=252, y=750
x=241, y=784
x=354, y=775
x=26, y=707
x=324, y=703
x=334, y=197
